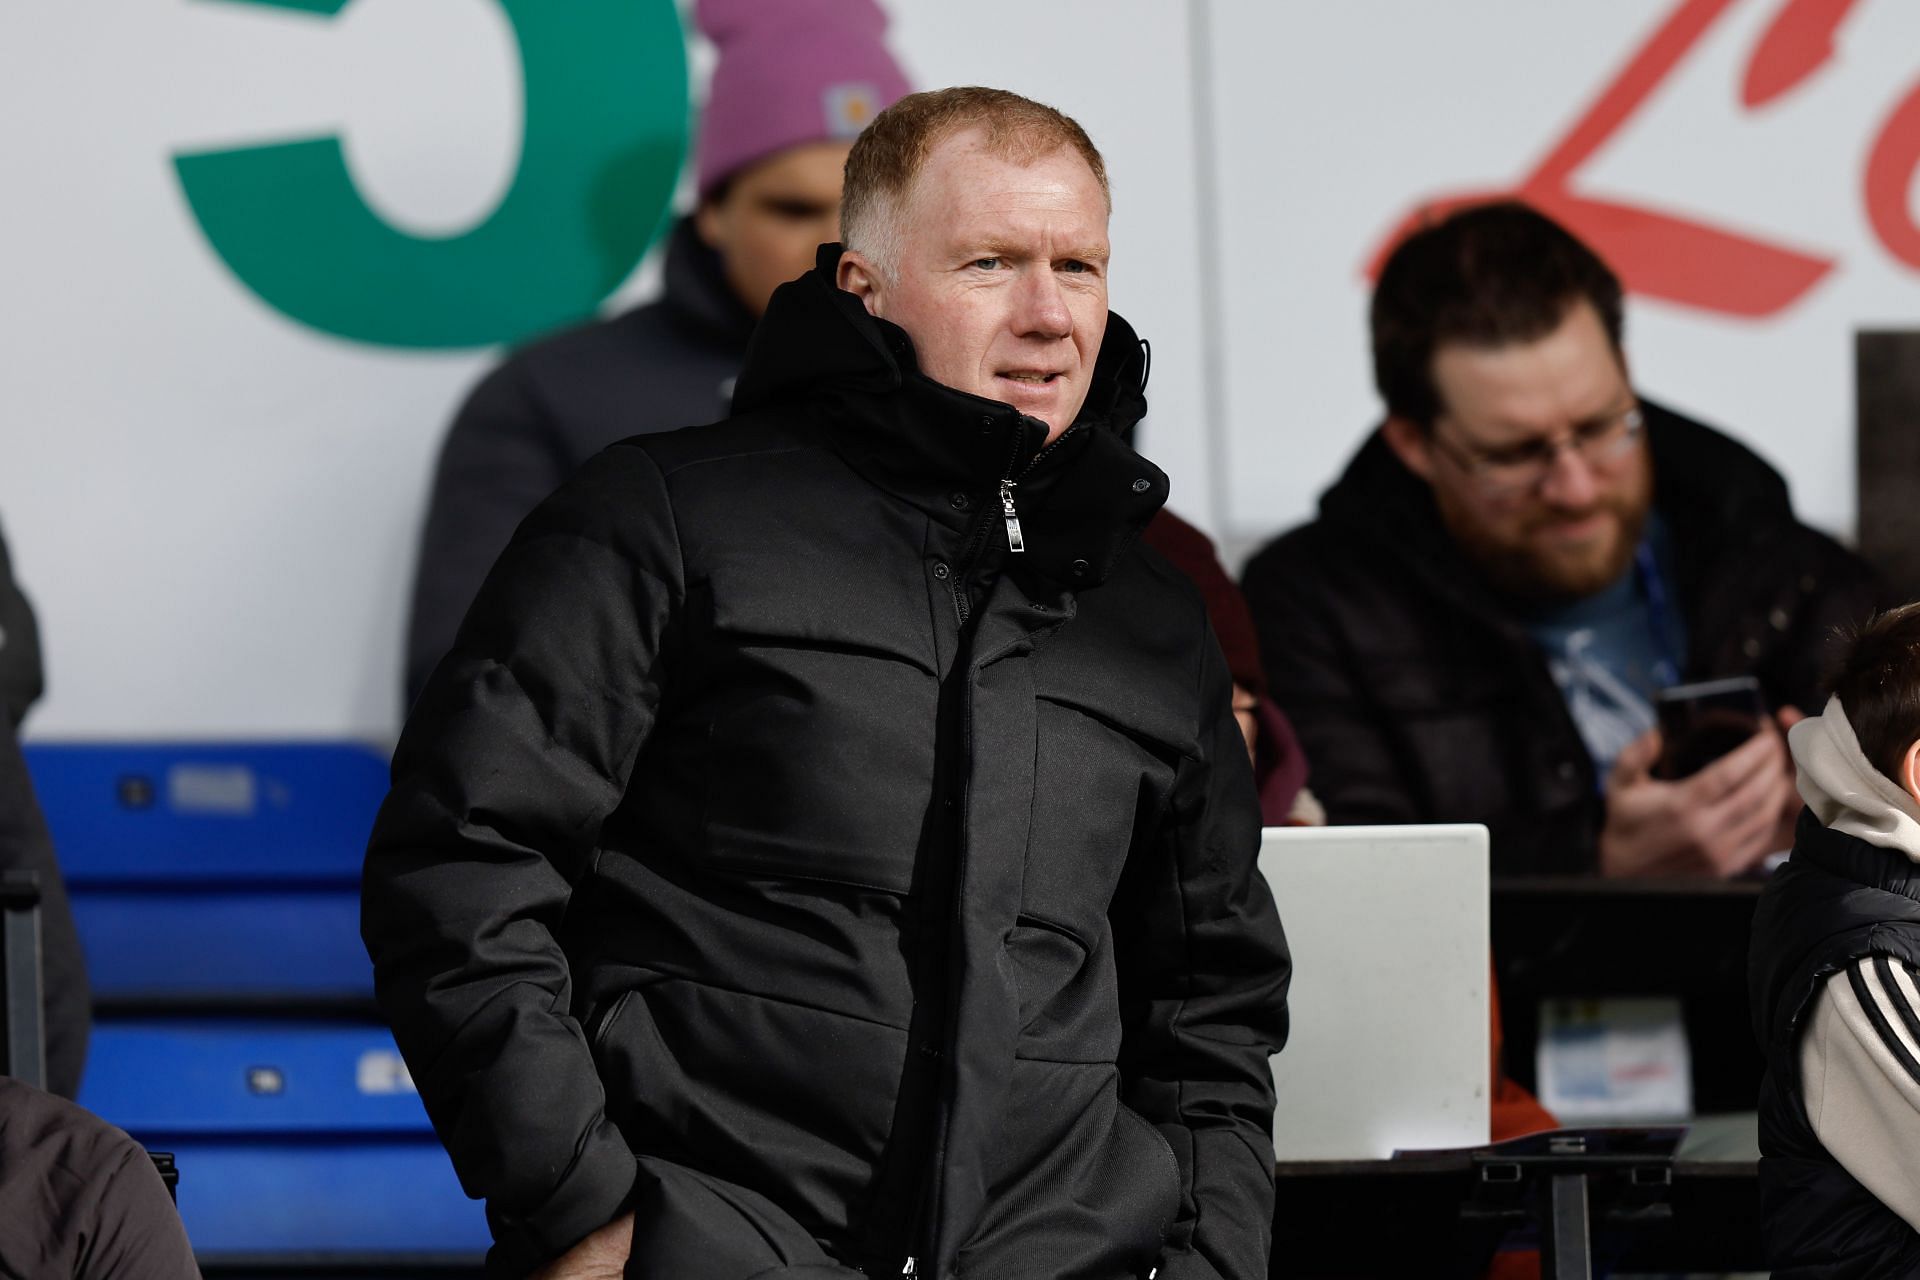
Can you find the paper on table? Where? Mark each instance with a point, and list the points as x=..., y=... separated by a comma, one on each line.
x=1614, y=1059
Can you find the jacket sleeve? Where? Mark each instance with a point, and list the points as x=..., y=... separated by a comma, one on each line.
x=1203, y=972
x=499, y=460
x=1860, y=1079
x=136, y=1231
x=26, y=845
x=1356, y=776
x=520, y=746
x=21, y=675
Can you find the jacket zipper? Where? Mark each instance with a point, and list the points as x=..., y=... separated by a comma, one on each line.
x=1016, y=539
x=976, y=543
x=973, y=550
x=1015, y=542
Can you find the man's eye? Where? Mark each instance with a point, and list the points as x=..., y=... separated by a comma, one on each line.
x=986, y=264
x=1075, y=265
x=1523, y=455
x=795, y=210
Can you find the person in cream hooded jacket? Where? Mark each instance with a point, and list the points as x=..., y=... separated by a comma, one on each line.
x=1836, y=1004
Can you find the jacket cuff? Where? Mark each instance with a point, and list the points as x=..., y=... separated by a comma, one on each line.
x=592, y=1193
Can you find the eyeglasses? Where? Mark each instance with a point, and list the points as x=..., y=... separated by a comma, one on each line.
x=1525, y=466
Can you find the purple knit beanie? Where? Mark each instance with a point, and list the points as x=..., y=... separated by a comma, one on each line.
x=790, y=72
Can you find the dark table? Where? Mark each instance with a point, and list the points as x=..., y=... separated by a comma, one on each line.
x=1565, y=937
x=1443, y=1214
x=1570, y=936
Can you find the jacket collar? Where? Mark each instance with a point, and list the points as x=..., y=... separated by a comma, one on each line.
x=1853, y=859
x=1836, y=899
x=695, y=287
x=1079, y=502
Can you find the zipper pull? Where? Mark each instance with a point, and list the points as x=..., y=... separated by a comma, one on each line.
x=909, y=1270
x=1015, y=542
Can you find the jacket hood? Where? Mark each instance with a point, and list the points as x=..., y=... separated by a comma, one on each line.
x=1844, y=789
x=817, y=339
x=1082, y=499
x=695, y=286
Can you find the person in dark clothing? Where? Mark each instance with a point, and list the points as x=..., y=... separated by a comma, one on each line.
x=25, y=845
x=829, y=844
x=794, y=83
x=22, y=679
x=79, y=1198
x=1279, y=766
x=1833, y=963
x=1520, y=557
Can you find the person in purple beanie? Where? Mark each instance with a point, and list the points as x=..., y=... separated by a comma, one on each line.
x=796, y=81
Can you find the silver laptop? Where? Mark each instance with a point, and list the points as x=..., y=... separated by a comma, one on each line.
x=1389, y=1044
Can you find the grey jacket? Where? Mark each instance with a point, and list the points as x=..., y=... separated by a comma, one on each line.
x=551, y=406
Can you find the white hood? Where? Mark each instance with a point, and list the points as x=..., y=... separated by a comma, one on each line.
x=1843, y=788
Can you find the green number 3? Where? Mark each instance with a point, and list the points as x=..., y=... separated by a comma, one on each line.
x=605, y=133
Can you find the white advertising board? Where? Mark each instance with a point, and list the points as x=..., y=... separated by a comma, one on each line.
x=255, y=251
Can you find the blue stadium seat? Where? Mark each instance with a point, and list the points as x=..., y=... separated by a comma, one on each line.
x=214, y=870
x=216, y=889
x=292, y=1137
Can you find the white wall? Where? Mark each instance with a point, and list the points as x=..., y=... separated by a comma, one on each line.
x=1336, y=119
x=214, y=506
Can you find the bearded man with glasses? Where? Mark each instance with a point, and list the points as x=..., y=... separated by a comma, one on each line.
x=1520, y=557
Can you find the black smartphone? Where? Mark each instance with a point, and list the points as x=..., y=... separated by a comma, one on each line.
x=1702, y=722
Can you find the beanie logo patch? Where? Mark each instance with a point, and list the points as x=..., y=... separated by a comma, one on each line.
x=849, y=108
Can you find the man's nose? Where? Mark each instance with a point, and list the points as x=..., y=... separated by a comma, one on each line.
x=1042, y=308
x=1571, y=481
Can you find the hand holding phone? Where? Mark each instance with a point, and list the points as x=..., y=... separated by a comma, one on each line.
x=1701, y=722
x=1730, y=799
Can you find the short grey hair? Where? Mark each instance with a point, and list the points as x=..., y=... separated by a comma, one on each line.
x=887, y=157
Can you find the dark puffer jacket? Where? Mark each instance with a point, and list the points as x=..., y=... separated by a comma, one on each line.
x=554, y=404
x=1836, y=900
x=888, y=894
x=1420, y=697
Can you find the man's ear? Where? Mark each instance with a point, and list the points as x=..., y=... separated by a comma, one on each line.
x=859, y=277
x=1411, y=443
x=1910, y=772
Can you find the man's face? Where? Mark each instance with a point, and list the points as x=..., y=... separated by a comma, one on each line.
x=1002, y=276
x=1572, y=529
x=772, y=217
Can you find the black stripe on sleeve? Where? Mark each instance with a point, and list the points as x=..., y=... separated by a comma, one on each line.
x=1878, y=1017
x=1884, y=967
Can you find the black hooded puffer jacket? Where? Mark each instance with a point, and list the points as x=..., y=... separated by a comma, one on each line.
x=780, y=855
x=1837, y=899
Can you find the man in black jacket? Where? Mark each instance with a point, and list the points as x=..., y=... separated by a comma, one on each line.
x=829, y=844
x=1521, y=556
x=792, y=86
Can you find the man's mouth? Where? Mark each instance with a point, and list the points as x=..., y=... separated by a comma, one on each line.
x=1586, y=525
x=1032, y=378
